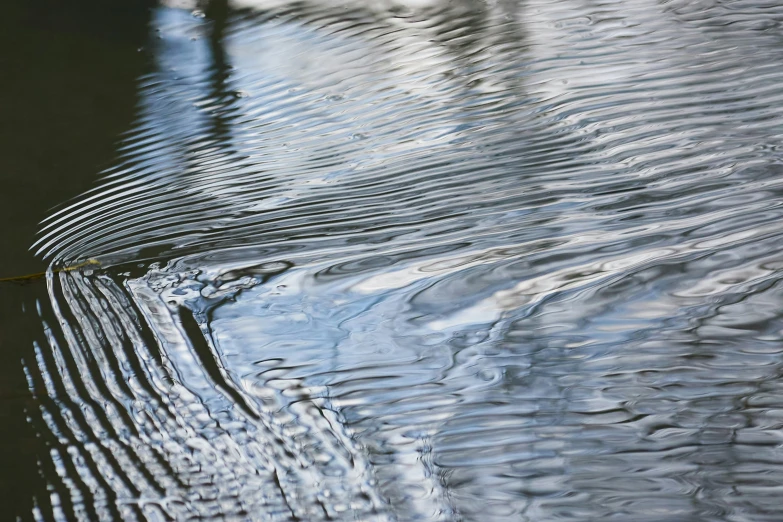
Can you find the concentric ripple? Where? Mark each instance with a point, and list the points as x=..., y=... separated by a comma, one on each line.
x=430, y=260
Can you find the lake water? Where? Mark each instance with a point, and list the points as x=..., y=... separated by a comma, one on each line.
x=404, y=260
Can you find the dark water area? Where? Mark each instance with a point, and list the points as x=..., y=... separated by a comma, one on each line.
x=68, y=90
x=402, y=260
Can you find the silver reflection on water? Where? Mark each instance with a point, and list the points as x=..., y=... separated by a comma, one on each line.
x=431, y=261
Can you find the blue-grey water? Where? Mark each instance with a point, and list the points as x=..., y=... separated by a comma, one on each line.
x=427, y=260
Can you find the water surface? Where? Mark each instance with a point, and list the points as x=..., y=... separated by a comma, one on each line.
x=427, y=261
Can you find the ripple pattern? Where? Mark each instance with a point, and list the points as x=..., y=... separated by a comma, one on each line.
x=430, y=261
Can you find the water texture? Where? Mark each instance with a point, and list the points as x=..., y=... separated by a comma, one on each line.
x=429, y=260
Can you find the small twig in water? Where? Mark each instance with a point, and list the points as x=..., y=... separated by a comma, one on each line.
x=30, y=277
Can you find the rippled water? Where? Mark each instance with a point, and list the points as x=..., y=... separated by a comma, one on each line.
x=430, y=260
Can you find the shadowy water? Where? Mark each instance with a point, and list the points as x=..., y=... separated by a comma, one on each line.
x=426, y=261
x=68, y=90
